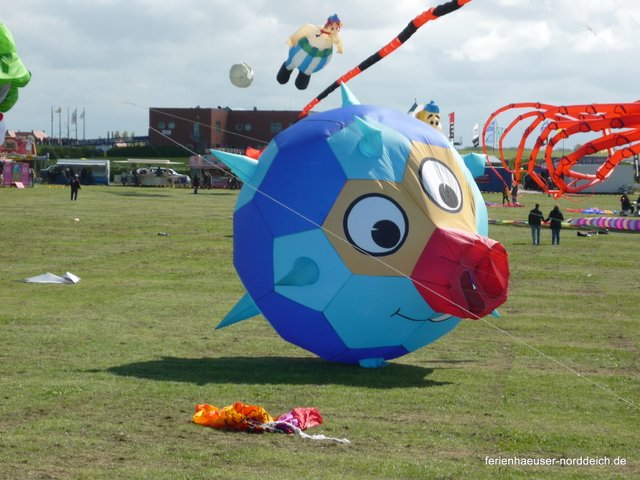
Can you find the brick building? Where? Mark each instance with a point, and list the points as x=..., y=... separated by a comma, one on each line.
x=202, y=128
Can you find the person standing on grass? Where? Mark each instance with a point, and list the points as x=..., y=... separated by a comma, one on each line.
x=514, y=193
x=505, y=194
x=535, y=221
x=195, y=183
x=74, y=183
x=556, y=218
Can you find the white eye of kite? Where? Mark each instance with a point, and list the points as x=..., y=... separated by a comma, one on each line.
x=376, y=224
x=440, y=183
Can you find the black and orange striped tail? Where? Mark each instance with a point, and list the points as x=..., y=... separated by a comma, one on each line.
x=426, y=16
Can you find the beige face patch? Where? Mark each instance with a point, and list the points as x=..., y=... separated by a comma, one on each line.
x=382, y=227
x=435, y=179
x=377, y=228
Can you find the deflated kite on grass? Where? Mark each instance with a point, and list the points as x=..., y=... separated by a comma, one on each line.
x=241, y=417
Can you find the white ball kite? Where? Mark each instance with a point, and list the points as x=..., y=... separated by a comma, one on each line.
x=241, y=75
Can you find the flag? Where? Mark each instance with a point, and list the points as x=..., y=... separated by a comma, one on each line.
x=475, y=136
x=490, y=137
x=413, y=107
x=452, y=118
x=74, y=117
x=82, y=115
x=59, y=110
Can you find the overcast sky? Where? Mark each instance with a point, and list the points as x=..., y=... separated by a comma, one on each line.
x=118, y=58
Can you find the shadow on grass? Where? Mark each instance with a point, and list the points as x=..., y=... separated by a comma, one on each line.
x=137, y=193
x=217, y=192
x=144, y=192
x=276, y=370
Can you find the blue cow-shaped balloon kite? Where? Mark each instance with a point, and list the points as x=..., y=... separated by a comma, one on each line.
x=361, y=236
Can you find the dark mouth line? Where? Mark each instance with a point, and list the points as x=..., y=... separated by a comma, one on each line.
x=397, y=312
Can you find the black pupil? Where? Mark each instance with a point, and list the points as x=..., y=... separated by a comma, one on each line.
x=385, y=233
x=448, y=195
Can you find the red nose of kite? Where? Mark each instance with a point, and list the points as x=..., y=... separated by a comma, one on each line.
x=462, y=273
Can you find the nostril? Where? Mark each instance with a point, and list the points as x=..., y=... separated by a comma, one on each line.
x=475, y=302
x=491, y=268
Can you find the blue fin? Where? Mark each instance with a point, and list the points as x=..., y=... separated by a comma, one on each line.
x=348, y=98
x=244, y=309
x=370, y=145
x=475, y=163
x=304, y=272
x=242, y=166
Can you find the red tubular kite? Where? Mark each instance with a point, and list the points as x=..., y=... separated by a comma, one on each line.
x=618, y=124
x=426, y=16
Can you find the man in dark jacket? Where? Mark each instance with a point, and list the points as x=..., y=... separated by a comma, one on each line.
x=195, y=183
x=74, y=183
x=556, y=218
x=535, y=221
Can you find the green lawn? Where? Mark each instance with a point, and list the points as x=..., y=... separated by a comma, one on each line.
x=99, y=380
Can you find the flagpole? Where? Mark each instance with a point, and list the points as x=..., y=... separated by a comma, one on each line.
x=59, y=111
x=83, y=110
x=51, y=131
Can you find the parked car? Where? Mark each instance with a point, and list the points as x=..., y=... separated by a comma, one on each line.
x=54, y=174
x=156, y=176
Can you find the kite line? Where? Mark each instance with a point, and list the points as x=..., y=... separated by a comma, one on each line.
x=432, y=14
x=483, y=319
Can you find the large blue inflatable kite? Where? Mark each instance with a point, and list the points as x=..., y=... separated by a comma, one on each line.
x=361, y=236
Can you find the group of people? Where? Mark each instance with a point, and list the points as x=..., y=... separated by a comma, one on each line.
x=536, y=218
x=232, y=183
x=513, y=191
x=627, y=208
x=206, y=182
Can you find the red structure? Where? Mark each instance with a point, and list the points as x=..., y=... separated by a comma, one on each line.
x=202, y=128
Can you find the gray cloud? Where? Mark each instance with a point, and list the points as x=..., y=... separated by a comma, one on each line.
x=118, y=58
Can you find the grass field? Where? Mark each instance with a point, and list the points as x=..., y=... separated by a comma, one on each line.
x=99, y=380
